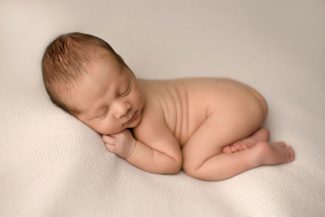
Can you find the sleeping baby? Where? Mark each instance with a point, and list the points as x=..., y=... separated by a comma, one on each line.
x=209, y=127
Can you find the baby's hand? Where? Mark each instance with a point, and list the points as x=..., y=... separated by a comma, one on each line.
x=122, y=143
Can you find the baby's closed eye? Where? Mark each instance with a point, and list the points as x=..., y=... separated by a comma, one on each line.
x=126, y=91
x=103, y=112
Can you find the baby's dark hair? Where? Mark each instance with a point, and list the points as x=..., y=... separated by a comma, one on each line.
x=63, y=62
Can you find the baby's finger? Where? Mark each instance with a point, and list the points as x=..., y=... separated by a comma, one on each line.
x=107, y=139
x=110, y=147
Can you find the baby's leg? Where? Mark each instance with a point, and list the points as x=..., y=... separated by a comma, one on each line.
x=261, y=135
x=204, y=157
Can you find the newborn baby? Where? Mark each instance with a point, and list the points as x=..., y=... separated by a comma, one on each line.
x=209, y=127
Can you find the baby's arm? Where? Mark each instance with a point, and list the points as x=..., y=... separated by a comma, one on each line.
x=155, y=149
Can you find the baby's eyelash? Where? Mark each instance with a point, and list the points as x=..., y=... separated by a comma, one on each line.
x=104, y=114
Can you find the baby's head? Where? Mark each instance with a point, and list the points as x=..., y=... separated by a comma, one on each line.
x=84, y=76
x=64, y=62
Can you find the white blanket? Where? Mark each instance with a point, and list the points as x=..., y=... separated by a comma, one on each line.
x=53, y=165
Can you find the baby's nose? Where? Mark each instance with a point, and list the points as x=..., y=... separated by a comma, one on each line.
x=121, y=109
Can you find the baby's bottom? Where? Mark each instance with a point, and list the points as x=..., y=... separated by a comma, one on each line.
x=229, y=144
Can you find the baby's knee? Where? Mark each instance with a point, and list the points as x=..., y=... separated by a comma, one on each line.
x=191, y=171
x=198, y=173
x=192, y=168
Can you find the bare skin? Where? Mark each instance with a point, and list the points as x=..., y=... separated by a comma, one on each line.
x=262, y=135
x=211, y=128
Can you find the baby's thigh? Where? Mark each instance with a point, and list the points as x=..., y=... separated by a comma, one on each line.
x=241, y=107
x=218, y=130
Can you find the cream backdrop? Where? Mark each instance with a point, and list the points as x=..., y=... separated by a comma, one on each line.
x=52, y=165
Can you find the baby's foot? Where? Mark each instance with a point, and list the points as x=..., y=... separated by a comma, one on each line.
x=274, y=153
x=262, y=135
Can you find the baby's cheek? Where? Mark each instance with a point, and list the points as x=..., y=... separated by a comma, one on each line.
x=107, y=128
x=98, y=127
x=136, y=94
x=103, y=129
x=139, y=100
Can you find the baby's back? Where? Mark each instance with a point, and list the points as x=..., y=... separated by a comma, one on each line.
x=186, y=103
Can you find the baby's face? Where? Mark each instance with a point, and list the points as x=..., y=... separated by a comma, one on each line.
x=107, y=96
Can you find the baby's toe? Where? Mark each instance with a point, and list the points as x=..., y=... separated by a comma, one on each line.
x=226, y=149
x=243, y=147
x=233, y=148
